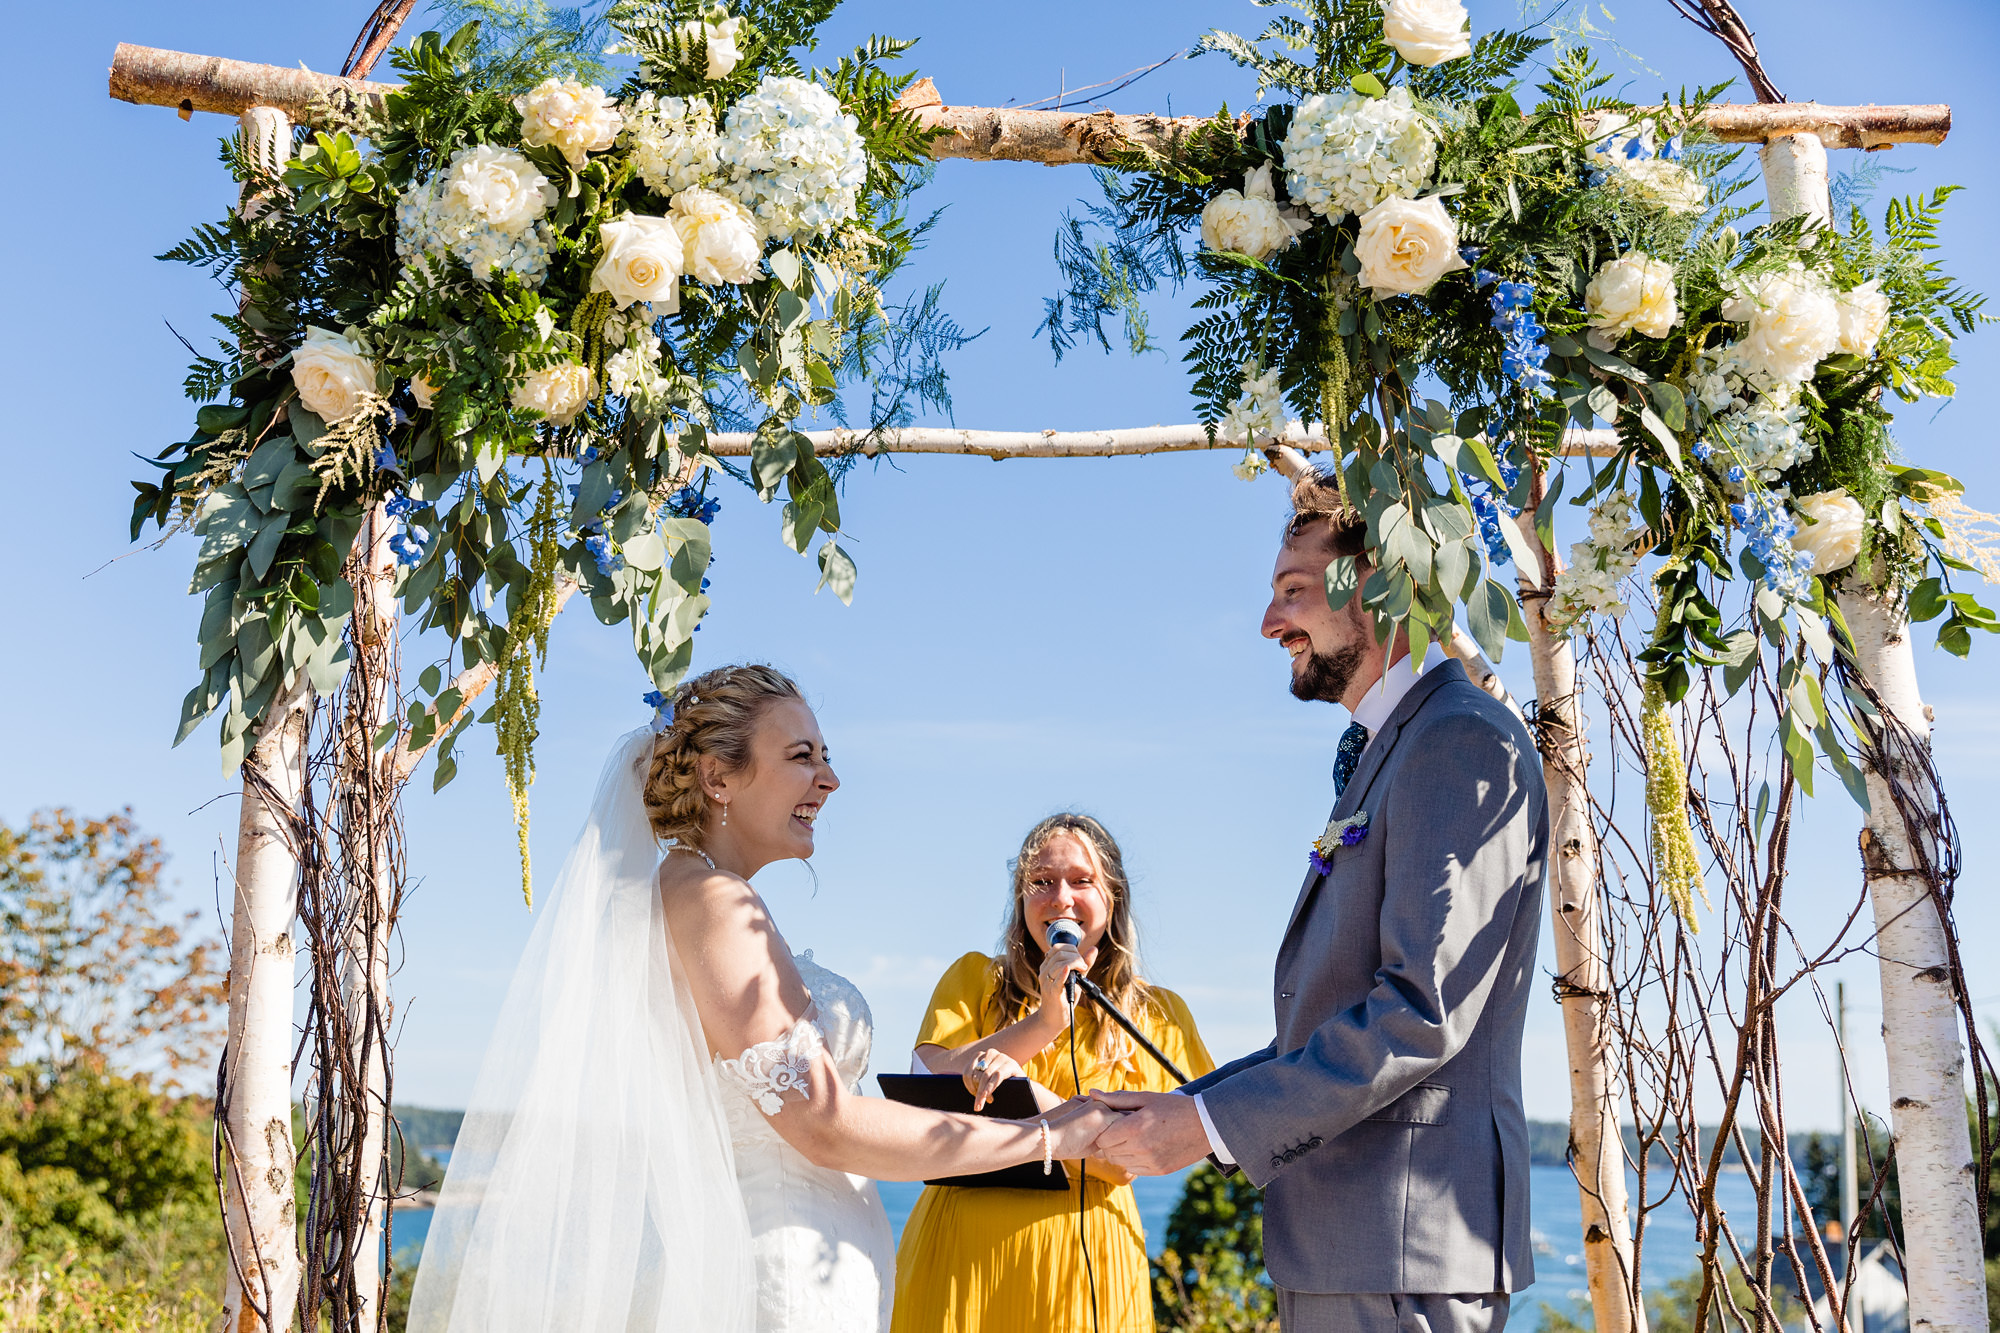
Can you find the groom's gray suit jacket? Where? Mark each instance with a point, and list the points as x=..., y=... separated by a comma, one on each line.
x=1384, y=1121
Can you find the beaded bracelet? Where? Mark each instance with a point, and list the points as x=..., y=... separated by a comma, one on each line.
x=1048, y=1150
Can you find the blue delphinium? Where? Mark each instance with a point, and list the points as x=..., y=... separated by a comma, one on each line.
x=1768, y=532
x=663, y=709
x=385, y=460
x=687, y=502
x=408, y=547
x=1489, y=505
x=608, y=560
x=1513, y=305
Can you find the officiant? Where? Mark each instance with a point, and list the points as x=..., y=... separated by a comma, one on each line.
x=976, y=1260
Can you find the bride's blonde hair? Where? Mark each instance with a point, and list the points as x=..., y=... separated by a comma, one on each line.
x=715, y=714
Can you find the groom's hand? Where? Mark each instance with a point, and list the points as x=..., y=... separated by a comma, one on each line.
x=1161, y=1132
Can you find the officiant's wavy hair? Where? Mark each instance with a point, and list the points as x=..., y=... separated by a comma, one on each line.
x=1117, y=967
x=715, y=714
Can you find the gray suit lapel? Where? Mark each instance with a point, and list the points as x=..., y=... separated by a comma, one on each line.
x=1372, y=760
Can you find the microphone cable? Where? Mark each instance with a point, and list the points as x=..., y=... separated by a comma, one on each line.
x=1083, y=1174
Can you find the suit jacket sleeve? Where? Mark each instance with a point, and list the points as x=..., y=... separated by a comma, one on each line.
x=1235, y=1066
x=1460, y=814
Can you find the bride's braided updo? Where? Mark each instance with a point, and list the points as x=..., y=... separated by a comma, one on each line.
x=715, y=714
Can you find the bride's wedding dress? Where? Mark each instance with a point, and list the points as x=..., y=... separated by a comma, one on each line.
x=825, y=1259
x=611, y=1176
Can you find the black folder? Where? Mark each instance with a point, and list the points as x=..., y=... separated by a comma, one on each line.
x=1014, y=1099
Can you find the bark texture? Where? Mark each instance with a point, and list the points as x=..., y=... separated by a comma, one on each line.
x=1920, y=1017
x=150, y=76
x=255, y=1086
x=1583, y=973
x=1003, y=444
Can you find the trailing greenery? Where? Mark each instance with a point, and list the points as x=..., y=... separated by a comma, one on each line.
x=1448, y=273
x=518, y=306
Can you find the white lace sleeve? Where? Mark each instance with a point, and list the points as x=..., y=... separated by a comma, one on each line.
x=767, y=1071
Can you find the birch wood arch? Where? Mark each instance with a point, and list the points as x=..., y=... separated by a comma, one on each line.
x=1926, y=1053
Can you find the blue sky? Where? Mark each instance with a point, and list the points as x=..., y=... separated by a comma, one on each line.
x=1026, y=637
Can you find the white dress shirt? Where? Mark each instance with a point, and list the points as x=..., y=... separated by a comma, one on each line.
x=1373, y=710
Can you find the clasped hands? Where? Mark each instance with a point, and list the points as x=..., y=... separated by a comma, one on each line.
x=1146, y=1133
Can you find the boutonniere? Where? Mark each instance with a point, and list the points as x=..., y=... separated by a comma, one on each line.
x=1339, y=833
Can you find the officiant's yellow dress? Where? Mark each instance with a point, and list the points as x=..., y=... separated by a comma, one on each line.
x=1007, y=1261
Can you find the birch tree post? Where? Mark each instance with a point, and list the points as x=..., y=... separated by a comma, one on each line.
x=254, y=1114
x=1583, y=972
x=1920, y=1012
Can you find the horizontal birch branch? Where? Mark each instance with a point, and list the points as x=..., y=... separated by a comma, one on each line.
x=150, y=76
x=1143, y=440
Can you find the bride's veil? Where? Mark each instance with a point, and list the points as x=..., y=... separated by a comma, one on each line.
x=592, y=1186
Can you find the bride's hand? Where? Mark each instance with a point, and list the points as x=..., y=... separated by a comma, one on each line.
x=1074, y=1127
x=989, y=1069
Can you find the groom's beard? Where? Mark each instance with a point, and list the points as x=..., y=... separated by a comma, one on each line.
x=1327, y=675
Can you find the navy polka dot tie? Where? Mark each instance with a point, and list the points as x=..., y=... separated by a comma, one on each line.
x=1352, y=742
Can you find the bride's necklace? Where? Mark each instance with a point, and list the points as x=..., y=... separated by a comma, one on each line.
x=698, y=852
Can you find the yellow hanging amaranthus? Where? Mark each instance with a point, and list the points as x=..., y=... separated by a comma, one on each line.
x=518, y=709
x=1675, y=857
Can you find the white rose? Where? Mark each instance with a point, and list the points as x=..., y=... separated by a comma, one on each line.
x=643, y=260
x=722, y=53
x=499, y=187
x=718, y=236
x=1249, y=220
x=422, y=390
x=558, y=392
x=334, y=379
x=575, y=117
x=1633, y=293
x=1834, y=535
x=1426, y=32
x=1864, y=313
x=1665, y=184
x=1405, y=245
x=1794, y=324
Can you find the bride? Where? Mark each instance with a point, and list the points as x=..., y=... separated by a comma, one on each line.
x=668, y=1131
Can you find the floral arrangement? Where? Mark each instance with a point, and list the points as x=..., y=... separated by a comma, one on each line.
x=505, y=308
x=1396, y=248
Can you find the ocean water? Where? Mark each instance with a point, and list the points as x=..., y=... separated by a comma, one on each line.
x=1555, y=1215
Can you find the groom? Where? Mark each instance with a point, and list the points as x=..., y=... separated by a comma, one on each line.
x=1384, y=1121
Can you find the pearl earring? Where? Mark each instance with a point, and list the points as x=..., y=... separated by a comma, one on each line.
x=725, y=809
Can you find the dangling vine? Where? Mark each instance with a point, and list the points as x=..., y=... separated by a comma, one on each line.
x=517, y=708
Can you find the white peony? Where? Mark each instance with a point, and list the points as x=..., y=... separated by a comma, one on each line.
x=1347, y=152
x=675, y=143
x=1259, y=410
x=575, y=118
x=1249, y=220
x=718, y=236
x=1633, y=293
x=558, y=392
x=1833, y=537
x=1864, y=313
x=642, y=261
x=497, y=186
x=797, y=161
x=715, y=41
x=1794, y=323
x=1405, y=245
x=1426, y=32
x=334, y=379
x=1663, y=184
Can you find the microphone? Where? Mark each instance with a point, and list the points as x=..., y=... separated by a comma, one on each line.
x=1065, y=931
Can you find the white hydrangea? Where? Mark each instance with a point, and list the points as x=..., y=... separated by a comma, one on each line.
x=1598, y=564
x=796, y=160
x=432, y=219
x=633, y=373
x=1724, y=381
x=1259, y=410
x=1347, y=152
x=675, y=143
x=1765, y=437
